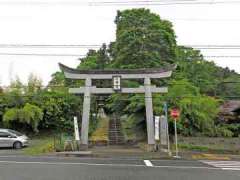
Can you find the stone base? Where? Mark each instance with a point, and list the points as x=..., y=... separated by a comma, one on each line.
x=150, y=147
x=83, y=147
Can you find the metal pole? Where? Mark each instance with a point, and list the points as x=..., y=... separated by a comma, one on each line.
x=166, y=116
x=176, y=143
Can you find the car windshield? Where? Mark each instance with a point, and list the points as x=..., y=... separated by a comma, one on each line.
x=15, y=132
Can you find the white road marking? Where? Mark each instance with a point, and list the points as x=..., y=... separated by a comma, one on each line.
x=224, y=165
x=68, y=163
x=148, y=163
x=113, y=165
x=232, y=169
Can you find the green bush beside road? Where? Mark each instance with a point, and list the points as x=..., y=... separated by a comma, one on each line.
x=40, y=146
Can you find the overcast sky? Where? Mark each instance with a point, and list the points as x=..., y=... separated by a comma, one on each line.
x=73, y=23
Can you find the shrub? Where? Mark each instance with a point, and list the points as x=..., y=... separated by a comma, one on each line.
x=220, y=131
x=30, y=115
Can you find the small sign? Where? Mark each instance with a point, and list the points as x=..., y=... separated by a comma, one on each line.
x=76, y=130
x=175, y=113
x=117, y=83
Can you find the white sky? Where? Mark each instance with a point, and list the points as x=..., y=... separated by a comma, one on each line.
x=216, y=24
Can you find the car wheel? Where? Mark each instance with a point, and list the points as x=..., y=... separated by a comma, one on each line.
x=17, y=145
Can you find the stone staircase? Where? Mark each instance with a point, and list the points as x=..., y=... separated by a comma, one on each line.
x=115, y=135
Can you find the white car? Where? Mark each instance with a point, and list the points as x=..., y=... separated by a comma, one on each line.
x=14, y=139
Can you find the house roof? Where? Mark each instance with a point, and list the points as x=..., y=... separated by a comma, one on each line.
x=229, y=107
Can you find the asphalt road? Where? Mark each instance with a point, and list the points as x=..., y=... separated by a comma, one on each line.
x=17, y=167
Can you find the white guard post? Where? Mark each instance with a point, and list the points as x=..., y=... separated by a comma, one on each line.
x=76, y=130
x=157, y=121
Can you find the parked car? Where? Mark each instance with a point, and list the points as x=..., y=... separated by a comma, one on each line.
x=14, y=139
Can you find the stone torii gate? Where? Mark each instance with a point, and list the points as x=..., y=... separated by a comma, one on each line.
x=116, y=76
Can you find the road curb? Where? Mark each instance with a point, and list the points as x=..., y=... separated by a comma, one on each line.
x=75, y=154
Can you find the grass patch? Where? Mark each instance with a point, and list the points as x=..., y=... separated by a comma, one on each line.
x=101, y=133
x=208, y=149
x=40, y=145
x=194, y=147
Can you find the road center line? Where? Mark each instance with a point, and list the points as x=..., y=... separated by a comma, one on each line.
x=148, y=163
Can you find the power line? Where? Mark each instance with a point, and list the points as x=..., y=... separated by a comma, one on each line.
x=202, y=19
x=119, y=98
x=120, y=3
x=159, y=3
x=49, y=46
x=99, y=45
x=213, y=46
x=221, y=56
x=81, y=55
x=64, y=86
x=216, y=48
x=41, y=54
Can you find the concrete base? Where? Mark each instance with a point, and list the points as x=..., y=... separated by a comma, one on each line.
x=83, y=147
x=151, y=148
x=75, y=153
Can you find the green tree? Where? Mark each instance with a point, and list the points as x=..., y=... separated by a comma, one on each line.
x=143, y=40
x=58, y=107
x=198, y=112
x=206, y=75
x=95, y=59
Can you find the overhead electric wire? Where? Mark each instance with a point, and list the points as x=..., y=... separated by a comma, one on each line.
x=40, y=54
x=49, y=46
x=82, y=55
x=231, y=47
x=121, y=3
x=222, y=56
x=160, y=3
x=93, y=46
x=119, y=98
x=64, y=86
x=225, y=48
x=88, y=46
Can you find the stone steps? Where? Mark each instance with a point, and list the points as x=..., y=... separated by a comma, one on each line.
x=115, y=135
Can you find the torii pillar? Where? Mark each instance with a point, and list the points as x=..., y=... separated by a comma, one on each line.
x=86, y=112
x=149, y=111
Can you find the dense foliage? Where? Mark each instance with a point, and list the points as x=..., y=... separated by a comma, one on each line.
x=34, y=107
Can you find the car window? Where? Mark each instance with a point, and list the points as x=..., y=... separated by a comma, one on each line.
x=4, y=134
x=15, y=132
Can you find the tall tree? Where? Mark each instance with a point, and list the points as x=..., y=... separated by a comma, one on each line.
x=143, y=40
x=95, y=59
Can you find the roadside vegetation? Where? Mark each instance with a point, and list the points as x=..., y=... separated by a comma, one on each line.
x=39, y=146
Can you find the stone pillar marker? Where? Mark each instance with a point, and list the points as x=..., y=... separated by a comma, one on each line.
x=149, y=111
x=86, y=112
